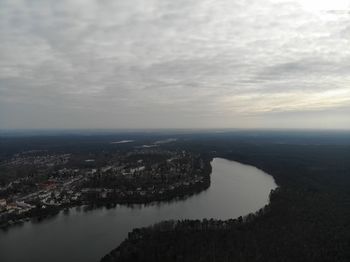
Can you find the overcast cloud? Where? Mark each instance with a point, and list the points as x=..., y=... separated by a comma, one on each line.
x=166, y=63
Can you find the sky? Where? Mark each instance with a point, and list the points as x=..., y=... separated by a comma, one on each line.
x=174, y=64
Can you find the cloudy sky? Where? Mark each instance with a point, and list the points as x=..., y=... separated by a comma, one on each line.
x=184, y=63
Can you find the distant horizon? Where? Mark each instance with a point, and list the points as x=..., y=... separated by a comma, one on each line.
x=162, y=130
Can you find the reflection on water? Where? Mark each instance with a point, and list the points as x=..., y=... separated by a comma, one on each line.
x=86, y=234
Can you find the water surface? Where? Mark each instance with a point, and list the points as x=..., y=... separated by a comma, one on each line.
x=235, y=190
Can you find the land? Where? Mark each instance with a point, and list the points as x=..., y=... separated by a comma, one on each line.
x=49, y=182
x=307, y=218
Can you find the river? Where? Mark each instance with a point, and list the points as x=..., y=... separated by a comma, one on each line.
x=235, y=190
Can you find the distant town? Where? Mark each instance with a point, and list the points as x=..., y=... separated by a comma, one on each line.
x=48, y=183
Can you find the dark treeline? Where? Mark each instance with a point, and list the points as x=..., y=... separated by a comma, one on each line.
x=308, y=218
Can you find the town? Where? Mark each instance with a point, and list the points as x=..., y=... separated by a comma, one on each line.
x=48, y=183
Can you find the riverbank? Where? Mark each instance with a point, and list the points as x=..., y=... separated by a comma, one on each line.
x=307, y=218
x=105, y=197
x=98, y=230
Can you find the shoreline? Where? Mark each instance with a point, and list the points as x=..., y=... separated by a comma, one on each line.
x=168, y=196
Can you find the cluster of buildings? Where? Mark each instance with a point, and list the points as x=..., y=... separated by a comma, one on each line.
x=139, y=176
x=48, y=160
